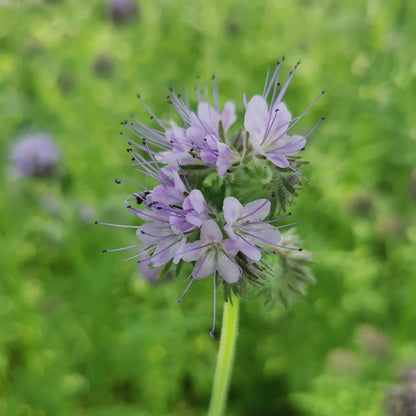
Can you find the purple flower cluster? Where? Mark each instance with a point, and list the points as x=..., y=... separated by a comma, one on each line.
x=192, y=213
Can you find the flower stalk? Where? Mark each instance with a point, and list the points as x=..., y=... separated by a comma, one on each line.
x=211, y=199
x=225, y=359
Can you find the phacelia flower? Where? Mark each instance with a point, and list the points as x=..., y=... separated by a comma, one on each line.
x=268, y=125
x=213, y=254
x=198, y=213
x=246, y=227
x=35, y=155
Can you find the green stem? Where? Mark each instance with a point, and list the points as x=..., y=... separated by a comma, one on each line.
x=225, y=359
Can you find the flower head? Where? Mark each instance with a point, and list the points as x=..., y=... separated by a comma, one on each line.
x=213, y=192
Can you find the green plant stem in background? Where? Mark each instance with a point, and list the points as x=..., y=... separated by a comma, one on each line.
x=225, y=359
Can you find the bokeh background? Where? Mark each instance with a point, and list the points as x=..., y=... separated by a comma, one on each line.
x=82, y=333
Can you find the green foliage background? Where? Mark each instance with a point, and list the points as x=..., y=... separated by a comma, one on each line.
x=81, y=333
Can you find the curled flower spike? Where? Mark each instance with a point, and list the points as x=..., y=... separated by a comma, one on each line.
x=212, y=194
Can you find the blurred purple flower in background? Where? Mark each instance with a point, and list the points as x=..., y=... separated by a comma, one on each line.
x=400, y=400
x=122, y=11
x=35, y=155
x=103, y=66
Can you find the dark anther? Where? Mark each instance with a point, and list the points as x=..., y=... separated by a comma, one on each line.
x=104, y=251
x=117, y=181
x=142, y=232
x=323, y=118
x=289, y=213
x=128, y=206
x=139, y=200
x=300, y=249
x=302, y=148
x=95, y=222
x=138, y=96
